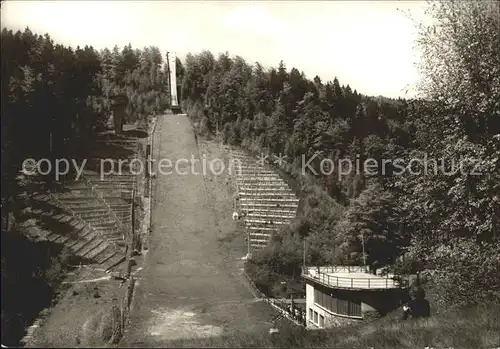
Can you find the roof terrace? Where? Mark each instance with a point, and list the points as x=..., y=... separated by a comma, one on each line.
x=350, y=277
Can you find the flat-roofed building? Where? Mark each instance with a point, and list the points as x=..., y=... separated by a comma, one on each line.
x=344, y=294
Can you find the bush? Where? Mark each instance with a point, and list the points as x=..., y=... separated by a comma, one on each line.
x=203, y=127
x=465, y=273
x=98, y=329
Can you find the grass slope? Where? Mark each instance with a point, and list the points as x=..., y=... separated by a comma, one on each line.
x=477, y=327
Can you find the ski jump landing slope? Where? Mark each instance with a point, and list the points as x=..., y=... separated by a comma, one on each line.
x=188, y=288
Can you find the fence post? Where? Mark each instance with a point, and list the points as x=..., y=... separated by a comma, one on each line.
x=351, y=282
x=369, y=283
x=122, y=308
x=147, y=176
x=148, y=155
x=116, y=323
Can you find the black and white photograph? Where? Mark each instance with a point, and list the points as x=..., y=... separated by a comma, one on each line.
x=250, y=174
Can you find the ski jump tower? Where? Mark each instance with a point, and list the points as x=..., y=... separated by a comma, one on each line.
x=172, y=81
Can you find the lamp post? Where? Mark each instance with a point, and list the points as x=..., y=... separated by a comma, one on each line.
x=305, y=255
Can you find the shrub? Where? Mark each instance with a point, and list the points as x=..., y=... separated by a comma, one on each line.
x=465, y=273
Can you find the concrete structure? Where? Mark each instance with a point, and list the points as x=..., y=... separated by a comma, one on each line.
x=339, y=295
x=172, y=78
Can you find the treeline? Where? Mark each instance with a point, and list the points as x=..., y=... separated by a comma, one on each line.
x=445, y=222
x=50, y=89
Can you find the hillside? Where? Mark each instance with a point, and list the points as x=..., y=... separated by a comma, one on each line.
x=64, y=226
x=379, y=178
x=409, y=186
x=467, y=328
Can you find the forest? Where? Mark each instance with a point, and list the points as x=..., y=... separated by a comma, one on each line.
x=444, y=225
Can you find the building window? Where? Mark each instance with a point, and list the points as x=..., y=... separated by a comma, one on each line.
x=355, y=308
x=321, y=321
x=310, y=314
x=315, y=317
x=347, y=307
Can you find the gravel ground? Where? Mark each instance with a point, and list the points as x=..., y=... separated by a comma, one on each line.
x=77, y=317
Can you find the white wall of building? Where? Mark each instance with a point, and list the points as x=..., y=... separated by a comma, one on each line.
x=318, y=317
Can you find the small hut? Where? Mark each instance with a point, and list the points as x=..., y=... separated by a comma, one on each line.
x=119, y=105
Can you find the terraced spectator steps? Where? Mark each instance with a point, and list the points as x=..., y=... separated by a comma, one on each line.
x=109, y=140
x=252, y=210
x=95, y=217
x=94, y=207
x=251, y=176
x=265, y=188
x=264, y=198
x=259, y=177
x=269, y=183
x=266, y=195
x=112, y=184
x=122, y=164
x=266, y=215
x=262, y=186
x=251, y=170
x=110, y=178
x=270, y=200
x=97, y=243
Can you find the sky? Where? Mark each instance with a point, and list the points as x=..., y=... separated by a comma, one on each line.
x=368, y=45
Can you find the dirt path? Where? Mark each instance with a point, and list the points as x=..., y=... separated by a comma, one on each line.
x=191, y=285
